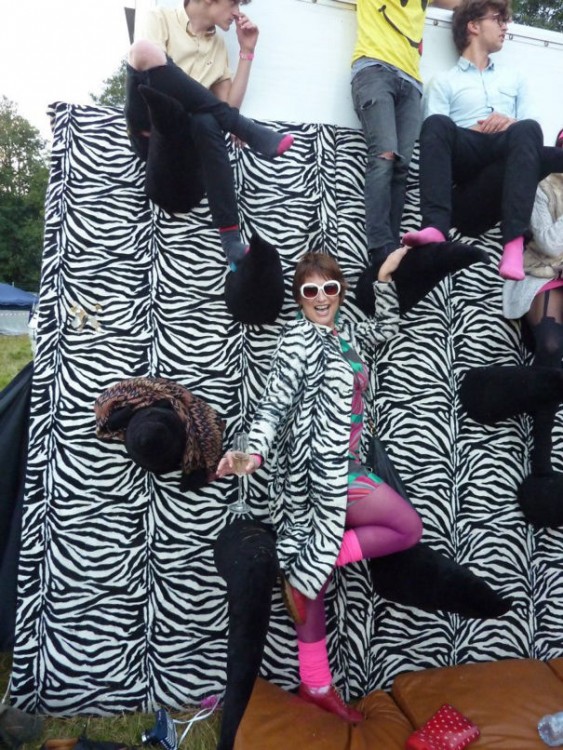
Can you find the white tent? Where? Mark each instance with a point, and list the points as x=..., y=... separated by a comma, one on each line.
x=15, y=310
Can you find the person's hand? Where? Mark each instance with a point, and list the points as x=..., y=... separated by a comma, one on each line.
x=226, y=465
x=237, y=142
x=247, y=33
x=494, y=123
x=391, y=263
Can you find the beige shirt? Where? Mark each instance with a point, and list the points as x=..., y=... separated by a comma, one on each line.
x=202, y=56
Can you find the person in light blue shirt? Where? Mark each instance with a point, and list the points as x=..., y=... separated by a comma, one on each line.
x=481, y=154
x=469, y=95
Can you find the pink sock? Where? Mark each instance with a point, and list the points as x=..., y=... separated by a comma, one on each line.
x=314, y=670
x=511, y=264
x=423, y=237
x=350, y=550
x=285, y=144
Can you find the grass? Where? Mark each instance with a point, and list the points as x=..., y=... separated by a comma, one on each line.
x=15, y=353
x=123, y=728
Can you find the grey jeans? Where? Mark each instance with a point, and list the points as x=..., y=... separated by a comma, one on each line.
x=389, y=110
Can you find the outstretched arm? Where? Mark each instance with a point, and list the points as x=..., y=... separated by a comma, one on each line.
x=281, y=391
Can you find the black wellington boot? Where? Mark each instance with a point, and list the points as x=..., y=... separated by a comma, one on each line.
x=420, y=271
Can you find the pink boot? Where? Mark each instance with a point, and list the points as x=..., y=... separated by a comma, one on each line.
x=511, y=264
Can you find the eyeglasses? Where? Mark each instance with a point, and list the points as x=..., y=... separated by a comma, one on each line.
x=500, y=18
x=311, y=291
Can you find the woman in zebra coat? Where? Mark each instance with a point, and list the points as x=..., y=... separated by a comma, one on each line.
x=326, y=508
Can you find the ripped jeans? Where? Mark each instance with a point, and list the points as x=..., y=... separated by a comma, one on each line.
x=389, y=110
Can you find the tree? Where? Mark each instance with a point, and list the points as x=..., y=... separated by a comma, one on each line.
x=539, y=13
x=23, y=183
x=113, y=93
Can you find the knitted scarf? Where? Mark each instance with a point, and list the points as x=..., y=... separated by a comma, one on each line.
x=204, y=428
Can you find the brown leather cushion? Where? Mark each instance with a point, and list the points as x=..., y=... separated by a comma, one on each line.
x=505, y=699
x=556, y=666
x=277, y=720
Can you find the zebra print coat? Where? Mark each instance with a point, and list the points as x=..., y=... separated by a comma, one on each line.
x=303, y=422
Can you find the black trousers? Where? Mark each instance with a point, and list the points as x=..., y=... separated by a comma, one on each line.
x=203, y=145
x=472, y=180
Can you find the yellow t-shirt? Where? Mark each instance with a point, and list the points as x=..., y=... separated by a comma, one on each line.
x=202, y=56
x=389, y=32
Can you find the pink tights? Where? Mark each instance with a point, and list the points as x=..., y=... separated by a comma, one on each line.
x=378, y=522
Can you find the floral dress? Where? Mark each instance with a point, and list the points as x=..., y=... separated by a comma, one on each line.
x=361, y=481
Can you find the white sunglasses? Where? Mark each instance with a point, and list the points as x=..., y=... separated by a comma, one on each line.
x=311, y=291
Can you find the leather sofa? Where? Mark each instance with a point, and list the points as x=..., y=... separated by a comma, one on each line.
x=505, y=699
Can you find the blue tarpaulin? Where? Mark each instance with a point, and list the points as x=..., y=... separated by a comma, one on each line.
x=15, y=310
x=11, y=296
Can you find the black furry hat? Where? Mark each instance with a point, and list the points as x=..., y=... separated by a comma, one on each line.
x=155, y=439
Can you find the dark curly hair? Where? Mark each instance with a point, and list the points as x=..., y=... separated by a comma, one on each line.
x=471, y=10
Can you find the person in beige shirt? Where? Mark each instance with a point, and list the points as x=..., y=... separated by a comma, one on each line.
x=179, y=56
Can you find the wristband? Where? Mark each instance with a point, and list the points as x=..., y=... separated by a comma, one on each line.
x=246, y=55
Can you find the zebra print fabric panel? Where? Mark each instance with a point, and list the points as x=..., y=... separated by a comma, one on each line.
x=120, y=606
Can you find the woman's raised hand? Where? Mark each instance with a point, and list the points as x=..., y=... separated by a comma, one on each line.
x=391, y=263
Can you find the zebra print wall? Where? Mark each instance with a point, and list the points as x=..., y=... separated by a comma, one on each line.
x=120, y=607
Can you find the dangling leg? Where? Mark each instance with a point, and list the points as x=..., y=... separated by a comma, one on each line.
x=383, y=523
x=314, y=670
x=219, y=184
x=545, y=320
x=523, y=144
x=539, y=495
x=378, y=522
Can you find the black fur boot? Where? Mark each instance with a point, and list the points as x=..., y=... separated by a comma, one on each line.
x=254, y=292
x=491, y=394
x=541, y=500
x=245, y=556
x=424, y=578
x=420, y=271
x=173, y=178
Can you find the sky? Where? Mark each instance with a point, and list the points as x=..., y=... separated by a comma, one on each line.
x=58, y=50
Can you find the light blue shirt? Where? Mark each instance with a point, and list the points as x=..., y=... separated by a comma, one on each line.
x=467, y=94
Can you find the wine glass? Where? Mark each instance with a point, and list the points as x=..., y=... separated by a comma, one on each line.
x=240, y=459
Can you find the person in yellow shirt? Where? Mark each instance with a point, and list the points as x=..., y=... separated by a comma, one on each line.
x=179, y=56
x=386, y=91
